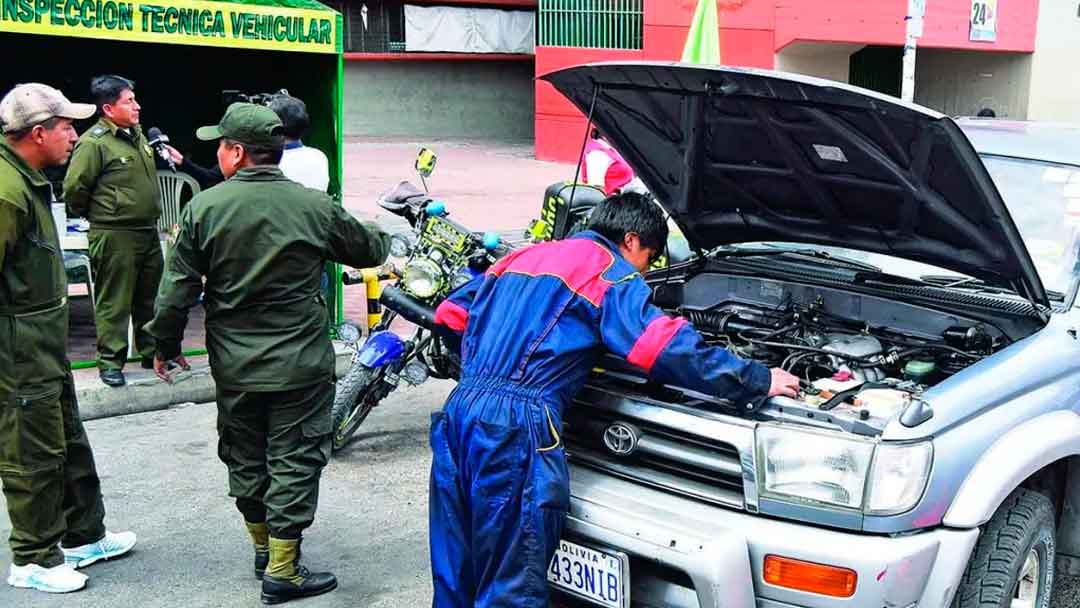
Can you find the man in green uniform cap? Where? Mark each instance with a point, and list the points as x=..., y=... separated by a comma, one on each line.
x=112, y=181
x=46, y=464
x=261, y=241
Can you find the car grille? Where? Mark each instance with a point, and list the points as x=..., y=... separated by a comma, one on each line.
x=673, y=459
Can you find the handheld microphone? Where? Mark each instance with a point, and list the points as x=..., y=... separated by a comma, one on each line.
x=157, y=141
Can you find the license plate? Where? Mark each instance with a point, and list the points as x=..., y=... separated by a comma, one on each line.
x=602, y=577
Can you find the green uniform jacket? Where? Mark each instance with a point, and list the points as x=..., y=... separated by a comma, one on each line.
x=33, y=285
x=261, y=241
x=112, y=179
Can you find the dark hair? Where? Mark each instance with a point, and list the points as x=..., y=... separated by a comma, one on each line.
x=628, y=212
x=107, y=89
x=259, y=155
x=595, y=133
x=48, y=124
x=293, y=114
x=986, y=113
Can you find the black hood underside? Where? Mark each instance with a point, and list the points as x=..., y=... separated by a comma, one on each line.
x=742, y=155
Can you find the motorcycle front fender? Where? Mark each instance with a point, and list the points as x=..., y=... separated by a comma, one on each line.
x=381, y=348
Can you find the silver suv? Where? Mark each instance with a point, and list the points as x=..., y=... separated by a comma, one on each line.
x=918, y=274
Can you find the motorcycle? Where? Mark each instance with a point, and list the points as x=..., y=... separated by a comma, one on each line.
x=440, y=256
x=566, y=209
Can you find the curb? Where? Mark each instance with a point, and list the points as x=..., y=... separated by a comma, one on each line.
x=146, y=393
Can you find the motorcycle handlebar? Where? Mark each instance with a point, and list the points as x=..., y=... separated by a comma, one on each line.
x=408, y=307
x=352, y=277
x=356, y=277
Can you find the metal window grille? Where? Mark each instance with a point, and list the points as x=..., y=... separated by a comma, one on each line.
x=596, y=24
x=372, y=26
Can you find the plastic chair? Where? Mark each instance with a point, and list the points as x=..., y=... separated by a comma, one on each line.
x=172, y=197
x=77, y=266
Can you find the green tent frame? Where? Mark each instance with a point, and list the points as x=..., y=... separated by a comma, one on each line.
x=182, y=55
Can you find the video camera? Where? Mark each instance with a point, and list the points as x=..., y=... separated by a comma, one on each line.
x=231, y=96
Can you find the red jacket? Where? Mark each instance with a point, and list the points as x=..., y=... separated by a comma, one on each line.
x=616, y=173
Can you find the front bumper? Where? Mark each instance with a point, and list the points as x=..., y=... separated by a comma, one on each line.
x=685, y=553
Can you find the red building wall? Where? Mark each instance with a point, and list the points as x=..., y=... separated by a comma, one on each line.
x=753, y=31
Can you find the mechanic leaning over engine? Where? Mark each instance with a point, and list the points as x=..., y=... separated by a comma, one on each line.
x=532, y=328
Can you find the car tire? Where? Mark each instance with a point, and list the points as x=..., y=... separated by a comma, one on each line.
x=1002, y=566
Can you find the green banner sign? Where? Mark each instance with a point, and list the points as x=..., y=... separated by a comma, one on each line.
x=178, y=22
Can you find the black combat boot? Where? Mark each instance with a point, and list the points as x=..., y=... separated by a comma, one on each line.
x=260, y=539
x=286, y=579
x=112, y=377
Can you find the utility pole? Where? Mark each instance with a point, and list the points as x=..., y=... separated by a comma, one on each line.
x=914, y=29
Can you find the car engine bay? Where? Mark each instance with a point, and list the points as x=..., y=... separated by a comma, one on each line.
x=862, y=360
x=843, y=366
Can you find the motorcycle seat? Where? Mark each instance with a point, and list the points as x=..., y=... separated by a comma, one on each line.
x=402, y=196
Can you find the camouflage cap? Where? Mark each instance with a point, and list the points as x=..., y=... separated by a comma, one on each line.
x=247, y=123
x=29, y=104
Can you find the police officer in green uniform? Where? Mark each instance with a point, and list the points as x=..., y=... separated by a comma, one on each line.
x=261, y=241
x=46, y=463
x=112, y=181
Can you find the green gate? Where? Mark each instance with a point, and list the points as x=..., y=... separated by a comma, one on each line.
x=595, y=24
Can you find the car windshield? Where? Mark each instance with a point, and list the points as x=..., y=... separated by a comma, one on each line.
x=1044, y=202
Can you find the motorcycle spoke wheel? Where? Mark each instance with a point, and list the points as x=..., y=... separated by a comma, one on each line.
x=358, y=392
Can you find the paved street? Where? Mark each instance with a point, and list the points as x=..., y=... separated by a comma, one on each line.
x=485, y=185
x=162, y=479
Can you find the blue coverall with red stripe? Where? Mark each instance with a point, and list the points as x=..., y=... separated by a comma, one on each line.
x=532, y=328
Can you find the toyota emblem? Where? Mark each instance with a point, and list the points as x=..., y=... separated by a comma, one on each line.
x=621, y=439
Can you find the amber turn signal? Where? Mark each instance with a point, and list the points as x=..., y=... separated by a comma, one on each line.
x=806, y=576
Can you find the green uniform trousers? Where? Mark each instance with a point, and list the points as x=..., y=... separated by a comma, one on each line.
x=127, y=267
x=50, y=482
x=275, y=445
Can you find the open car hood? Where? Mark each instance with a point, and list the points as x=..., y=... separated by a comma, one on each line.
x=742, y=155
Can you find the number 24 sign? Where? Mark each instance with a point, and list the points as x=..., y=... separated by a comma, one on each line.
x=983, y=20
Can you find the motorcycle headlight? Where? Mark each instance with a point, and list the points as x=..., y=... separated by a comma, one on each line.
x=401, y=245
x=423, y=278
x=837, y=471
x=461, y=277
x=348, y=333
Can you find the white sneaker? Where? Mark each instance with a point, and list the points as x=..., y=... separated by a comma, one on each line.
x=110, y=546
x=58, y=579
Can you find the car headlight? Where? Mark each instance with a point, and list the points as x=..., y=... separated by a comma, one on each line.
x=401, y=245
x=832, y=470
x=423, y=278
x=899, y=477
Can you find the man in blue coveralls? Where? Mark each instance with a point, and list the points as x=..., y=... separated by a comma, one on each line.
x=532, y=327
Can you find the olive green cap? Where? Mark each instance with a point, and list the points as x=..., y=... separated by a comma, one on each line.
x=247, y=123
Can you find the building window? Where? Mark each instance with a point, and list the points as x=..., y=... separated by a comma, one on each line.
x=595, y=24
x=372, y=26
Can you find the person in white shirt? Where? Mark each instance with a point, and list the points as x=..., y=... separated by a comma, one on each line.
x=307, y=166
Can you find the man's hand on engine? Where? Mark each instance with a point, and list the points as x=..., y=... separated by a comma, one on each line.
x=783, y=383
